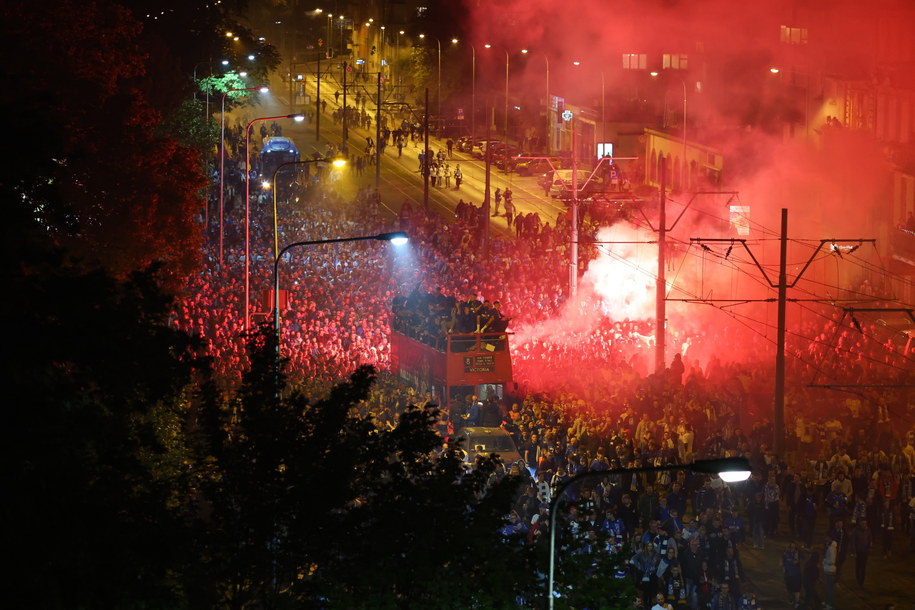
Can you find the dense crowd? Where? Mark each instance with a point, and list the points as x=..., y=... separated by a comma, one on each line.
x=585, y=397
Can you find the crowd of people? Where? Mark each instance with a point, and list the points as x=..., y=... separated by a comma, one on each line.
x=585, y=396
x=685, y=533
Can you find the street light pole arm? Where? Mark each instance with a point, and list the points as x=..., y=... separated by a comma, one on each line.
x=276, y=238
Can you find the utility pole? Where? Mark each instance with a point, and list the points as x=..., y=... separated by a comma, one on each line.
x=345, y=130
x=778, y=422
x=782, y=285
x=424, y=167
x=573, y=265
x=487, y=156
x=378, y=135
x=660, y=345
x=318, y=104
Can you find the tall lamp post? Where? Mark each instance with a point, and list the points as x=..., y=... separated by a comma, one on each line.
x=297, y=117
x=546, y=102
x=683, y=83
x=473, y=90
x=602, y=102
x=504, y=118
x=222, y=161
x=731, y=470
x=276, y=236
x=397, y=238
x=438, y=95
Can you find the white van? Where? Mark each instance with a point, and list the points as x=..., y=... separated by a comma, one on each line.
x=561, y=183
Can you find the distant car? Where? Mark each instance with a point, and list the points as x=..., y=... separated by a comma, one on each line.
x=504, y=157
x=560, y=182
x=492, y=145
x=530, y=167
x=466, y=144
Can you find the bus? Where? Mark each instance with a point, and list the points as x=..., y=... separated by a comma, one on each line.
x=276, y=151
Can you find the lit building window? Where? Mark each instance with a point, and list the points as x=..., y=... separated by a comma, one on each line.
x=793, y=35
x=421, y=10
x=675, y=61
x=635, y=61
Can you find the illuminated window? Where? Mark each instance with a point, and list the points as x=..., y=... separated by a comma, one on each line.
x=634, y=61
x=675, y=61
x=740, y=219
x=421, y=10
x=793, y=35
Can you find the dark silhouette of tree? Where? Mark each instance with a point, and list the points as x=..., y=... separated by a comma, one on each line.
x=95, y=393
x=89, y=164
x=314, y=502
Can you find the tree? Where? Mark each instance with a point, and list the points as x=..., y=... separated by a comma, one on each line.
x=93, y=451
x=313, y=502
x=89, y=163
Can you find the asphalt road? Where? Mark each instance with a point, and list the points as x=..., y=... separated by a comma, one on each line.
x=400, y=179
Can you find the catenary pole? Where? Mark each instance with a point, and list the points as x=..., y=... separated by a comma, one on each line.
x=661, y=281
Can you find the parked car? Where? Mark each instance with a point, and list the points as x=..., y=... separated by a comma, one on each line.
x=492, y=145
x=560, y=183
x=466, y=144
x=504, y=157
x=530, y=167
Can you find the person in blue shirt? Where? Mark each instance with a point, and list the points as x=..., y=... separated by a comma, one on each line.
x=791, y=568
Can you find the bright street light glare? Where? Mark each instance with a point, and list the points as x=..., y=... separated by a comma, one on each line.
x=266, y=184
x=243, y=74
x=299, y=118
x=338, y=162
x=734, y=476
x=251, y=57
x=397, y=238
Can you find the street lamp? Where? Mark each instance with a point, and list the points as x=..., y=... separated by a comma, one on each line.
x=397, y=238
x=685, y=168
x=222, y=160
x=505, y=118
x=731, y=470
x=276, y=238
x=602, y=101
x=546, y=103
x=438, y=94
x=296, y=117
x=397, y=56
x=473, y=91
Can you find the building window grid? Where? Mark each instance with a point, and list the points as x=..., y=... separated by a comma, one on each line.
x=789, y=35
x=635, y=61
x=675, y=61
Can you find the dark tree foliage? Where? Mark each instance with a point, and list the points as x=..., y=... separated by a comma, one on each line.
x=313, y=505
x=88, y=163
x=92, y=442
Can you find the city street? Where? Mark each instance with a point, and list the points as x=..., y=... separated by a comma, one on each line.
x=889, y=580
x=400, y=179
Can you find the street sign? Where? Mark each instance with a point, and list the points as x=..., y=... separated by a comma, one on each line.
x=567, y=115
